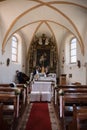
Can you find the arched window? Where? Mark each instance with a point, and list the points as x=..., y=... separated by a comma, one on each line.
x=73, y=50
x=14, y=49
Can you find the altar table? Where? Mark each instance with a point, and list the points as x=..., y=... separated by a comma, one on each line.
x=41, y=91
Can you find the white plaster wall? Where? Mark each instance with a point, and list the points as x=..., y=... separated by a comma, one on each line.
x=7, y=73
x=78, y=74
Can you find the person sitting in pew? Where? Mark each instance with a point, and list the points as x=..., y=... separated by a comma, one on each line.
x=21, y=77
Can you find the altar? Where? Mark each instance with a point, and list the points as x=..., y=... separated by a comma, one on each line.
x=41, y=91
x=43, y=53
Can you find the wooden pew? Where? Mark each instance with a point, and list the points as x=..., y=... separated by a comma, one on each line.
x=70, y=99
x=79, y=120
x=3, y=124
x=15, y=90
x=68, y=88
x=65, y=103
x=76, y=83
x=4, y=85
x=23, y=96
x=10, y=112
x=24, y=91
x=1, y=115
x=11, y=106
x=5, y=98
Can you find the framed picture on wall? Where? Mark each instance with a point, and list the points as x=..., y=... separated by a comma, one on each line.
x=43, y=57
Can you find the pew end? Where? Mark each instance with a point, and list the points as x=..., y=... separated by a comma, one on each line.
x=79, y=121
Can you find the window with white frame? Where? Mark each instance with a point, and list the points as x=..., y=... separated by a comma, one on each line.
x=73, y=50
x=14, y=49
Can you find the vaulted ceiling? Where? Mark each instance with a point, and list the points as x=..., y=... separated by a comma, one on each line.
x=57, y=18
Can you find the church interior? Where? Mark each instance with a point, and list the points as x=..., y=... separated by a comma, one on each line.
x=43, y=59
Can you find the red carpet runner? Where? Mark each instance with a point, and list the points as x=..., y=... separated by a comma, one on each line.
x=39, y=117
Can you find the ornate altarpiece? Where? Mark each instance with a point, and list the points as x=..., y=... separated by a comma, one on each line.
x=43, y=52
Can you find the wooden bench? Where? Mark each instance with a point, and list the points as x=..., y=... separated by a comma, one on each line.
x=3, y=124
x=24, y=91
x=1, y=115
x=67, y=110
x=68, y=89
x=10, y=111
x=4, y=85
x=79, y=120
x=72, y=94
x=14, y=99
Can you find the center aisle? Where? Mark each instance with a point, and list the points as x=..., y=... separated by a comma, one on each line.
x=39, y=116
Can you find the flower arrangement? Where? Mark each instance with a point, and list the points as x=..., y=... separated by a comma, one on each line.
x=61, y=92
x=27, y=82
x=17, y=91
x=25, y=85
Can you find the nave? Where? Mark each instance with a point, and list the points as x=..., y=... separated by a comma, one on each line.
x=53, y=36
x=16, y=105
x=67, y=108
x=41, y=119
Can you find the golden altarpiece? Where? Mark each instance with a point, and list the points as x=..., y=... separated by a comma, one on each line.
x=43, y=53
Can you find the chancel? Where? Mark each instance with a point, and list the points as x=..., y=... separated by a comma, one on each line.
x=45, y=42
x=44, y=54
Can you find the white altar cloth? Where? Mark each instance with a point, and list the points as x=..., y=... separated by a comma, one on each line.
x=41, y=86
x=41, y=91
x=35, y=96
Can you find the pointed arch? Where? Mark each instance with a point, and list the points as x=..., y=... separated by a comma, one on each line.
x=48, y=4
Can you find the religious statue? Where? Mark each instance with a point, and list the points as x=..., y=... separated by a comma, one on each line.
x=43, y=39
